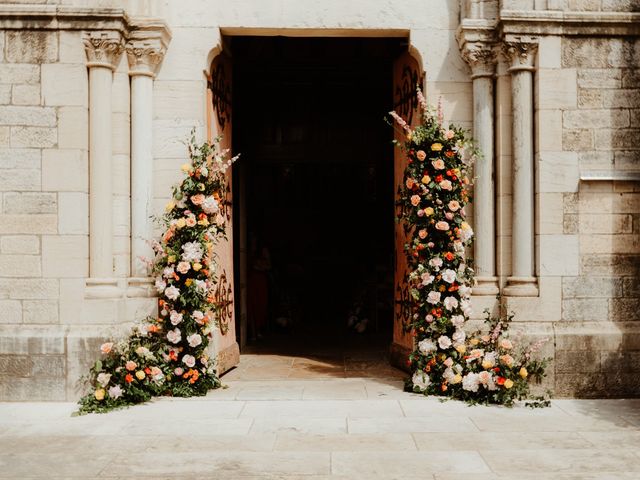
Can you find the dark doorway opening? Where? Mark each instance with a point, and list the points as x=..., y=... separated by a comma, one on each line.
x=315, y=189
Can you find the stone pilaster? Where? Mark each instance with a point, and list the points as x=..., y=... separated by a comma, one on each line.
x=103, y=50
x=144, y=56
x=521, y=55
x=481, y=57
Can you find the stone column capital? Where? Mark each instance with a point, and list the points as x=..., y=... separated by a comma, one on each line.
x=520, y=53
x=103, y=48
x=144, y=56
x=481, y=57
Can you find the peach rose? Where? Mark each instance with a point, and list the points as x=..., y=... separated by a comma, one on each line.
x=410, y=183
x=442, y=225
x=197, y=199
x=191, y=221
x=454, y=206
x=106, y=348
x=130, y=365
x=421, y=155
x=449, y=134
x=445, y=185
x=415, y=200
x=422, y=234
x=438, y=164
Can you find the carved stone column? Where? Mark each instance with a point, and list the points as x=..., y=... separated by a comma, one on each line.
x=103, y=50
x=144, y=56
x=521, y=55
x=481, y=57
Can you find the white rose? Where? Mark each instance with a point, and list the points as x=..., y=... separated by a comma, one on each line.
x=470, y=382
x=115, y=392
x=210, y=205
x=103, y=379
x=444, y=342
x=174, y=336
x=450, y=303
x=192, y=252
x=459, y=336
x=426, y=346
x=189, y=360
x=449, y=275
x=421, y=381
x=172, y=293
x=175, y=317
x=160, y=285
x=436, y=262
x=427, y=279
x=433, y=297
x=457, y=321
x=194, y=340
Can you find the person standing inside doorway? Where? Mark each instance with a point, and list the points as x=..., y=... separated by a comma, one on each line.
x=258, y=283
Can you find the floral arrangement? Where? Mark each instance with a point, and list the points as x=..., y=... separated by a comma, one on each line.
x=479, y=368
x=168, y=355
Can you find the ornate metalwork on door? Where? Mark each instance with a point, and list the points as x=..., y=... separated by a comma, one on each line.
x=221, y=93
x=224, y=297
x=403, y=310
x=406, y=101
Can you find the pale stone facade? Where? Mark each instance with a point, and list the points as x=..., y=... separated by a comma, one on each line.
x=96, y=98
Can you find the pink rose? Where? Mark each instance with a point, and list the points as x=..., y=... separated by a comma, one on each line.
x=191, y=221
x=105, y=348
x=415, y=200
x=130, y=365
x=422, y=234
x=445, y=185
x=183, y=267
x=420, y=213
x=442, y=225
x=449, y=134
x=454, y=206
x=449, y=215
x=438, y=164
x=421, y=155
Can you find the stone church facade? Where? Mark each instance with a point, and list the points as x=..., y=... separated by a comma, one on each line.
x=97, y=97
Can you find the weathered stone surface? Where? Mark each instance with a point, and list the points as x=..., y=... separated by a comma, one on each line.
x=48, y=366
x=40, y=311
x=24, y=158
x=585, y=309
x=624, y=309
x=73, y=213
x=595, y=160
x=559, y=255
x=599, y=52
x=613, y=362
x=577, y=361
x=604, y=243
x=556, y=88
x=5, y=94
x=558, y=171
x=65, y=256
x=28, y=224
x=621, y=98
x=585, y=287
x=631, y=78
x=10, y=311
x=20, y=266
x=576, y=140
x=33, y=137
x=73, y=128
x=580, y=119
x=19, y=179
x=583, y=385
x=30, y=288
x=631, y=287
x=570, y=224
x=65, y=170
x=612, y=203
x=15, y=366
x=31, y=46
x=19, y=74
x=607, y=223
x=604, y=264
x=590, y=98
x=20, y=244
x=40, y=202
x=622, y=139
x=599, y=78
x=25, y=94
x=27, y=389
x=72, y=92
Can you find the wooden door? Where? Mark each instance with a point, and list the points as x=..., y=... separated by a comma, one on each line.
x=218, y=110
x=407, y=73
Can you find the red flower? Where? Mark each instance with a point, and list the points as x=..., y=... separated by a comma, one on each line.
x=147, y=370
x=449, y=256
x=128, y=378
x=501, y=380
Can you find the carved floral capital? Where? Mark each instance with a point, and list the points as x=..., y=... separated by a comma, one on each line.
x=103, y=48
x=144, y=56
x=521, y=55
x=481, y=57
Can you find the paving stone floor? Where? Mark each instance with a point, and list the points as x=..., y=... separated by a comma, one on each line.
x=322, y=426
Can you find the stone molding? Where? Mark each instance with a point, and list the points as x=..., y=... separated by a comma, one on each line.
x=103, y=49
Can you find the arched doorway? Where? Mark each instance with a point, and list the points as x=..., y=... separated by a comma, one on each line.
x=314, y=242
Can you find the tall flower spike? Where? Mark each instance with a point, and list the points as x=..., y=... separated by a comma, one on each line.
x=422, y=101
x=400, y=121
x=440, y=115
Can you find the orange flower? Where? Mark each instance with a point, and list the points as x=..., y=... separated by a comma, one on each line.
x=128, y=378
x=449, y=256
x=173, y=355
x=147, y=370
x=449, y=154
x=501, y=380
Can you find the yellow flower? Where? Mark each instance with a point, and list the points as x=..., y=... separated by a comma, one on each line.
x=523, y=372
x=170, y=206
x=461, y=348
x=99, y=394
x=409, y=136
x=436, y=147
x=486, y=364
x=181, y=223
x=426, y=179
x=508, y=383
x=204, y=222
x=140, y=375
x=474, y=341
x=197, y=266
x=186, y=168
x=188, y=282
x=428, y=211
x=456, y=379
x=171, y=259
